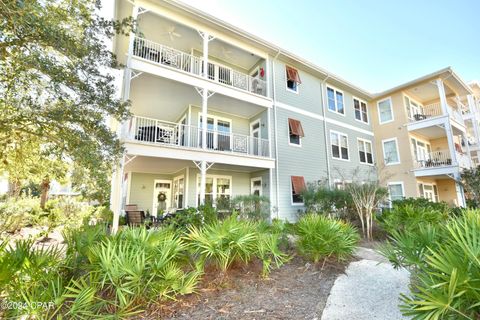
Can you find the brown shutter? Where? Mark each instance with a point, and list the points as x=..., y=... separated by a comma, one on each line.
x=292, y=75
x=296, y=127
x=298, y=184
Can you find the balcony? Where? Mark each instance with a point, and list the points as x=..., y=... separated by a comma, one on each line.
x=435, y=110
x=170, y=134
x=188, y=63
x=442, y=158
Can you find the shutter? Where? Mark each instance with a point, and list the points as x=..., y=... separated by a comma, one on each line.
x=298, y=184
x=292, y=75
x=296, y=127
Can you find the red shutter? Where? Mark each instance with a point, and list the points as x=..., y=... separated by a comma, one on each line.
x=292, y=75
x=296, y=127
x=298, y=184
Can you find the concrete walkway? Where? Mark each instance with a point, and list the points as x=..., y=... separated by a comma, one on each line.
x=370, y=289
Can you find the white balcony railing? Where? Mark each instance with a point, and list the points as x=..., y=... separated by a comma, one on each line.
x=180, y=60
x=163, y=133
x=435, y=109
x=443, y=158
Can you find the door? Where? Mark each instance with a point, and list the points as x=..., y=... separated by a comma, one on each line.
x=255, y=138
x=256, y=186
x=178, y=192
x=162, y=197
x=219, y=133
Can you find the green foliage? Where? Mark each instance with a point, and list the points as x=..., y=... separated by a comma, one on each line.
x=411, y=213
x=183, y=219
x=56, y=89
x=320, y=237
x=252, y=207
x=224, y=242
x=471, y=183
x=448, y=280
x=18, y=213
x=320, y=198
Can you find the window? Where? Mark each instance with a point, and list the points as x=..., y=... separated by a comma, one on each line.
x=293, y=79
x=178, y=191
x=414, y=109
x=295, y=132
x=361, y=112
x=428, y=191
x=335, y=100
x=216, y=187
x=390, y=151
x=219, y=132
x=395, y=191
x=385, y=112
x=339, y=144
x=365, y=151
x=298, y=185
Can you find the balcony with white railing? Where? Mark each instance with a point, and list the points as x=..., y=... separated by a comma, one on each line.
x=170, y=134
x=442, y=158
x=185, y=62
x=434, y=110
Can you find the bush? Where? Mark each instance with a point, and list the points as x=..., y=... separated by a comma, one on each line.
x=252, y=207
x=320, y=237
x=320, y=198
x=448, y=277
x=225, y=242
x=184, y=219
x=16, y=213
x=411, y=213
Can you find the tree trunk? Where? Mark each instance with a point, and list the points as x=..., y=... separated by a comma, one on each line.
x=14, y=188
x=44, y=186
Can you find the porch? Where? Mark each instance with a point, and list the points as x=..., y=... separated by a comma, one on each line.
x=441, y=188
x=159, y=186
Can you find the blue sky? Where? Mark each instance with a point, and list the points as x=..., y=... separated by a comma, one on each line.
x=375, y=44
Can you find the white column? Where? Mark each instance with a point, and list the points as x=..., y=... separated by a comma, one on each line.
x=443, y=96
x=206, y=37
x=473, y=112
x=203, y=180
x=448, y=126
x=117, y=194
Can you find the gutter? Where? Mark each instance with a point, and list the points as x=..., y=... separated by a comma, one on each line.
x=324, y=104
x=274, y=98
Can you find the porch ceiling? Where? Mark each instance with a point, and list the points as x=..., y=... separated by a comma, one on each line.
x=171, y=166
x=160, y=98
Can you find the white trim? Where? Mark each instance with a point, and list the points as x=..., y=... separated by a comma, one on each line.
x=395, y=183
x=366, y=105
x=371, y=147
x=410, y=100
x=261, y=185
x=214, y=187
x=391, y=109
x=319, y=117
x=299, y=145
x=187, y=181
x=177, y=178
x=398, y=152
x=335, y=90
x=129, y=188
x=215, y=132
x=340, y=144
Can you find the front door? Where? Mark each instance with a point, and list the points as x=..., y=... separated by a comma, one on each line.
x=428, y=192
x=256, y=186
x=162, y=197
x=255, y=137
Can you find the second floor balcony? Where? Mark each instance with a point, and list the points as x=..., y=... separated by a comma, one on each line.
x=441, y=158
x=177, y=135
x=434, y=110
x=173, y=58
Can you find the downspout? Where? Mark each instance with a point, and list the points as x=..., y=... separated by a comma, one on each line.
x=324, y=104
x=274, y=97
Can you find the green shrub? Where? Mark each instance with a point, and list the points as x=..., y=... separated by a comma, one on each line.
x=448, y=280
x=184, y=219
x=223, y=242
x=320, y=237
x=411, y=213
x=320, y=198
x=16, y=213
x=252, y=207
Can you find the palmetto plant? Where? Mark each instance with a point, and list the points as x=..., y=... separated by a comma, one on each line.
x=449, y=280
x=320, y=237
x=230, y=240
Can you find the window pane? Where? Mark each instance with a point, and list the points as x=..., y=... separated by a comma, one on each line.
x=223, y=126
x=344, y=153
x=364, y=112
x=390, y=149
x=223, y=186
x=334, y=139
x=396, y=192
x=358, y=115
x=385, y=111
x=335, y=151
x=344, y=141
x=331, y=99
x=294, y=139
x=339, y=96
x=362, y=156
x=369, y=158
x=368, y=147
x=361, y=146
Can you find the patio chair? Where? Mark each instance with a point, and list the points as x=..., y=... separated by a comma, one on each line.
x=135, y=217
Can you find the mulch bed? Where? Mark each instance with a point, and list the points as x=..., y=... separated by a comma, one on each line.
x=298, y=290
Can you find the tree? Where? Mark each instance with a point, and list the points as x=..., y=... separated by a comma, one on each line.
x=471, y=182
x=55, y=85
x=367, y=198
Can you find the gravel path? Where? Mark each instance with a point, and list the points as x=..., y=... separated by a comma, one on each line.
x=370, y=289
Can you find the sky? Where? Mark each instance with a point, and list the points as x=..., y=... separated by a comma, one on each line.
x=374, y=44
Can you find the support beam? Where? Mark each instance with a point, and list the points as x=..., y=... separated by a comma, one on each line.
x=448, y=126
x=443, y=96
x=117, y=194
x=203, y=166
x=475, y=121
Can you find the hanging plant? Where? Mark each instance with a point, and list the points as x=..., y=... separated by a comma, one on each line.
x=161, y=197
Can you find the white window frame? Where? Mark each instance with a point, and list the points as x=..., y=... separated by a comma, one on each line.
x=174, y=194
x=371, y=146
x=335, y=90
x=340, y=146
x=391, y=109
x=297, y=204
x=395, y=183
x=398, y=151
x=215, y=128
x=286, y=81
x=410, y=100
x=252, y=180
x=214, y=187
x=427, y=144
x=299, y=145
x=434, y=187
x=366, y=105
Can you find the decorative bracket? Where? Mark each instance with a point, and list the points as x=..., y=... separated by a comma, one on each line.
x=128, y=159
x=200, y=92
x=135, y=74
x=198, y=164
x=202, y=35
x=142, y=10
